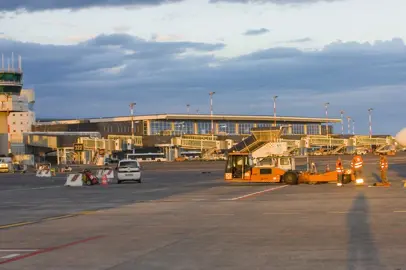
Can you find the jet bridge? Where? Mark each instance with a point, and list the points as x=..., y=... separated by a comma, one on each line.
x=334, y=145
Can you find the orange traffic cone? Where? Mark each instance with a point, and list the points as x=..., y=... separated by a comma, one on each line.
x=104, y=180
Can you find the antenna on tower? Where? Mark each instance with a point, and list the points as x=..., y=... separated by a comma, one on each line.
x=12, y=61
x=19, y=63
x=8, y=64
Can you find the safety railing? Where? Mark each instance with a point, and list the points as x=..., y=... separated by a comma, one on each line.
x=137, y=139
x=197, y=144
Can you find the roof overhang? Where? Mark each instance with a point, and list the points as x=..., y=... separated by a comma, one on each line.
x=207, y=117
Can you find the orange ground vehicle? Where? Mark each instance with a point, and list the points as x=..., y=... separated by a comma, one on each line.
x=263, y=158
x=241, y=169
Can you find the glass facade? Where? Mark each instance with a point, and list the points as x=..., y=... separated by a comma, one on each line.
x=10, y=77
x=245, y=128
x=183, y=127
x=10, y=89
x=158, y=127
x=226, y=128
x=313, y=129
x=323, y=130
x=298, y=129
x=204, y=127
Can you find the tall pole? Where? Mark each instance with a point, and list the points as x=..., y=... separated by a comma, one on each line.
x=274, y=110
x=342, y=122
x=211, y=114
x=353, y=127
x=326, y=106
x=132, y=125
x=188, y=108
x=348, y=121
x=370, y=121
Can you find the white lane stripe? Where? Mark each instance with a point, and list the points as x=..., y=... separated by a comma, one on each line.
x=256, y=193
x=18, y=250
x=25, y=189
x=10, y=256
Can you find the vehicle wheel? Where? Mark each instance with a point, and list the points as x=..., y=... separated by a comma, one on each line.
x=88, y=183
x=290, y=178
x=119, y=181
x=139, y=180
x=346, y=178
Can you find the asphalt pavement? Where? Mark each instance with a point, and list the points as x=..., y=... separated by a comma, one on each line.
x=183, y=217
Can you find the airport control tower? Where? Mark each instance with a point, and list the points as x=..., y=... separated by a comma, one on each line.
x=16, y=105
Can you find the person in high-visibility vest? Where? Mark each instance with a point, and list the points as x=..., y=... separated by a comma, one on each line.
x=356, y=166
x=383, y=165
x=340, y=172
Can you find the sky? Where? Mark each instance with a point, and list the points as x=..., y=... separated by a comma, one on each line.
x=91, y=58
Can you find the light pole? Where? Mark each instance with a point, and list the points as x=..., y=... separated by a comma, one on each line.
x=353, y=127
x=370, y=121
x=197, y=111
x=342, y=122
x=132, y=104
x=211, y=114
x=348, y=121
x=326, y=106
x=188, y=108
x=274, y=110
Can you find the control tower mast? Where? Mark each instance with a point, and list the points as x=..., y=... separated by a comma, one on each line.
x=11, y=84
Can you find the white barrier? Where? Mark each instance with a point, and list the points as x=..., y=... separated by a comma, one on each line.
x=74, y=180
x=109, y=174
x=43, y=173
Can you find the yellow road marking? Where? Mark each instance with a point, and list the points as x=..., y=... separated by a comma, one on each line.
x=16, y=224
x=400, y=211
x=46, y=219
x=59, y=217
x=87, y=212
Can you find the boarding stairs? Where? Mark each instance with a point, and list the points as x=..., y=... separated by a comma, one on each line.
x=258, y=138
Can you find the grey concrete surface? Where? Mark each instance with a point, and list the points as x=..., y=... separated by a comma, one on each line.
x=183, y=219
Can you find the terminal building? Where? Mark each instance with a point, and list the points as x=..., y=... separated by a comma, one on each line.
x=187, y=124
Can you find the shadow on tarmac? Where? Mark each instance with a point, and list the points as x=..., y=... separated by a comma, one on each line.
x=400, y=169
x=362, y=253
x=376, y=177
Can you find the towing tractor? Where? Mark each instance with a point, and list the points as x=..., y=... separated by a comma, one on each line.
x=241, y=168
x=264, y=158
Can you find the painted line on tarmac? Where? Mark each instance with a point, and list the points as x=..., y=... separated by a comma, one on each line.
x=282, y=213
x=26, y=189
x=10, y=256
x=16, y=225
x=18, y=250
x=219, y=214
x=20, y=224
x=256, y=193
x=400, y=211
x=46, y=250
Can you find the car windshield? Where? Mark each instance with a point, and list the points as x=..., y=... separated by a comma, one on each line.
x=131, y=164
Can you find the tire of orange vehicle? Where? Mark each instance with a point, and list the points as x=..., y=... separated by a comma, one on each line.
x=290, y=178
x=347, y=178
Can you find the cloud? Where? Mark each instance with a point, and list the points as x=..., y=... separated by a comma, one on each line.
x=299, y=40
x=38, y=5
x=108, y=71
x=256, y=32
x=278, y=2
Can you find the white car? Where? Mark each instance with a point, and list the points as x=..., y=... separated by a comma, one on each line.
x=128, y=170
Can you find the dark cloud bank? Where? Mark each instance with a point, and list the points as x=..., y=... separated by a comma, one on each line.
x=101, y=76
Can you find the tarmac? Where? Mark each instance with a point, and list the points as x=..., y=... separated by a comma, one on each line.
x=184, y=216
